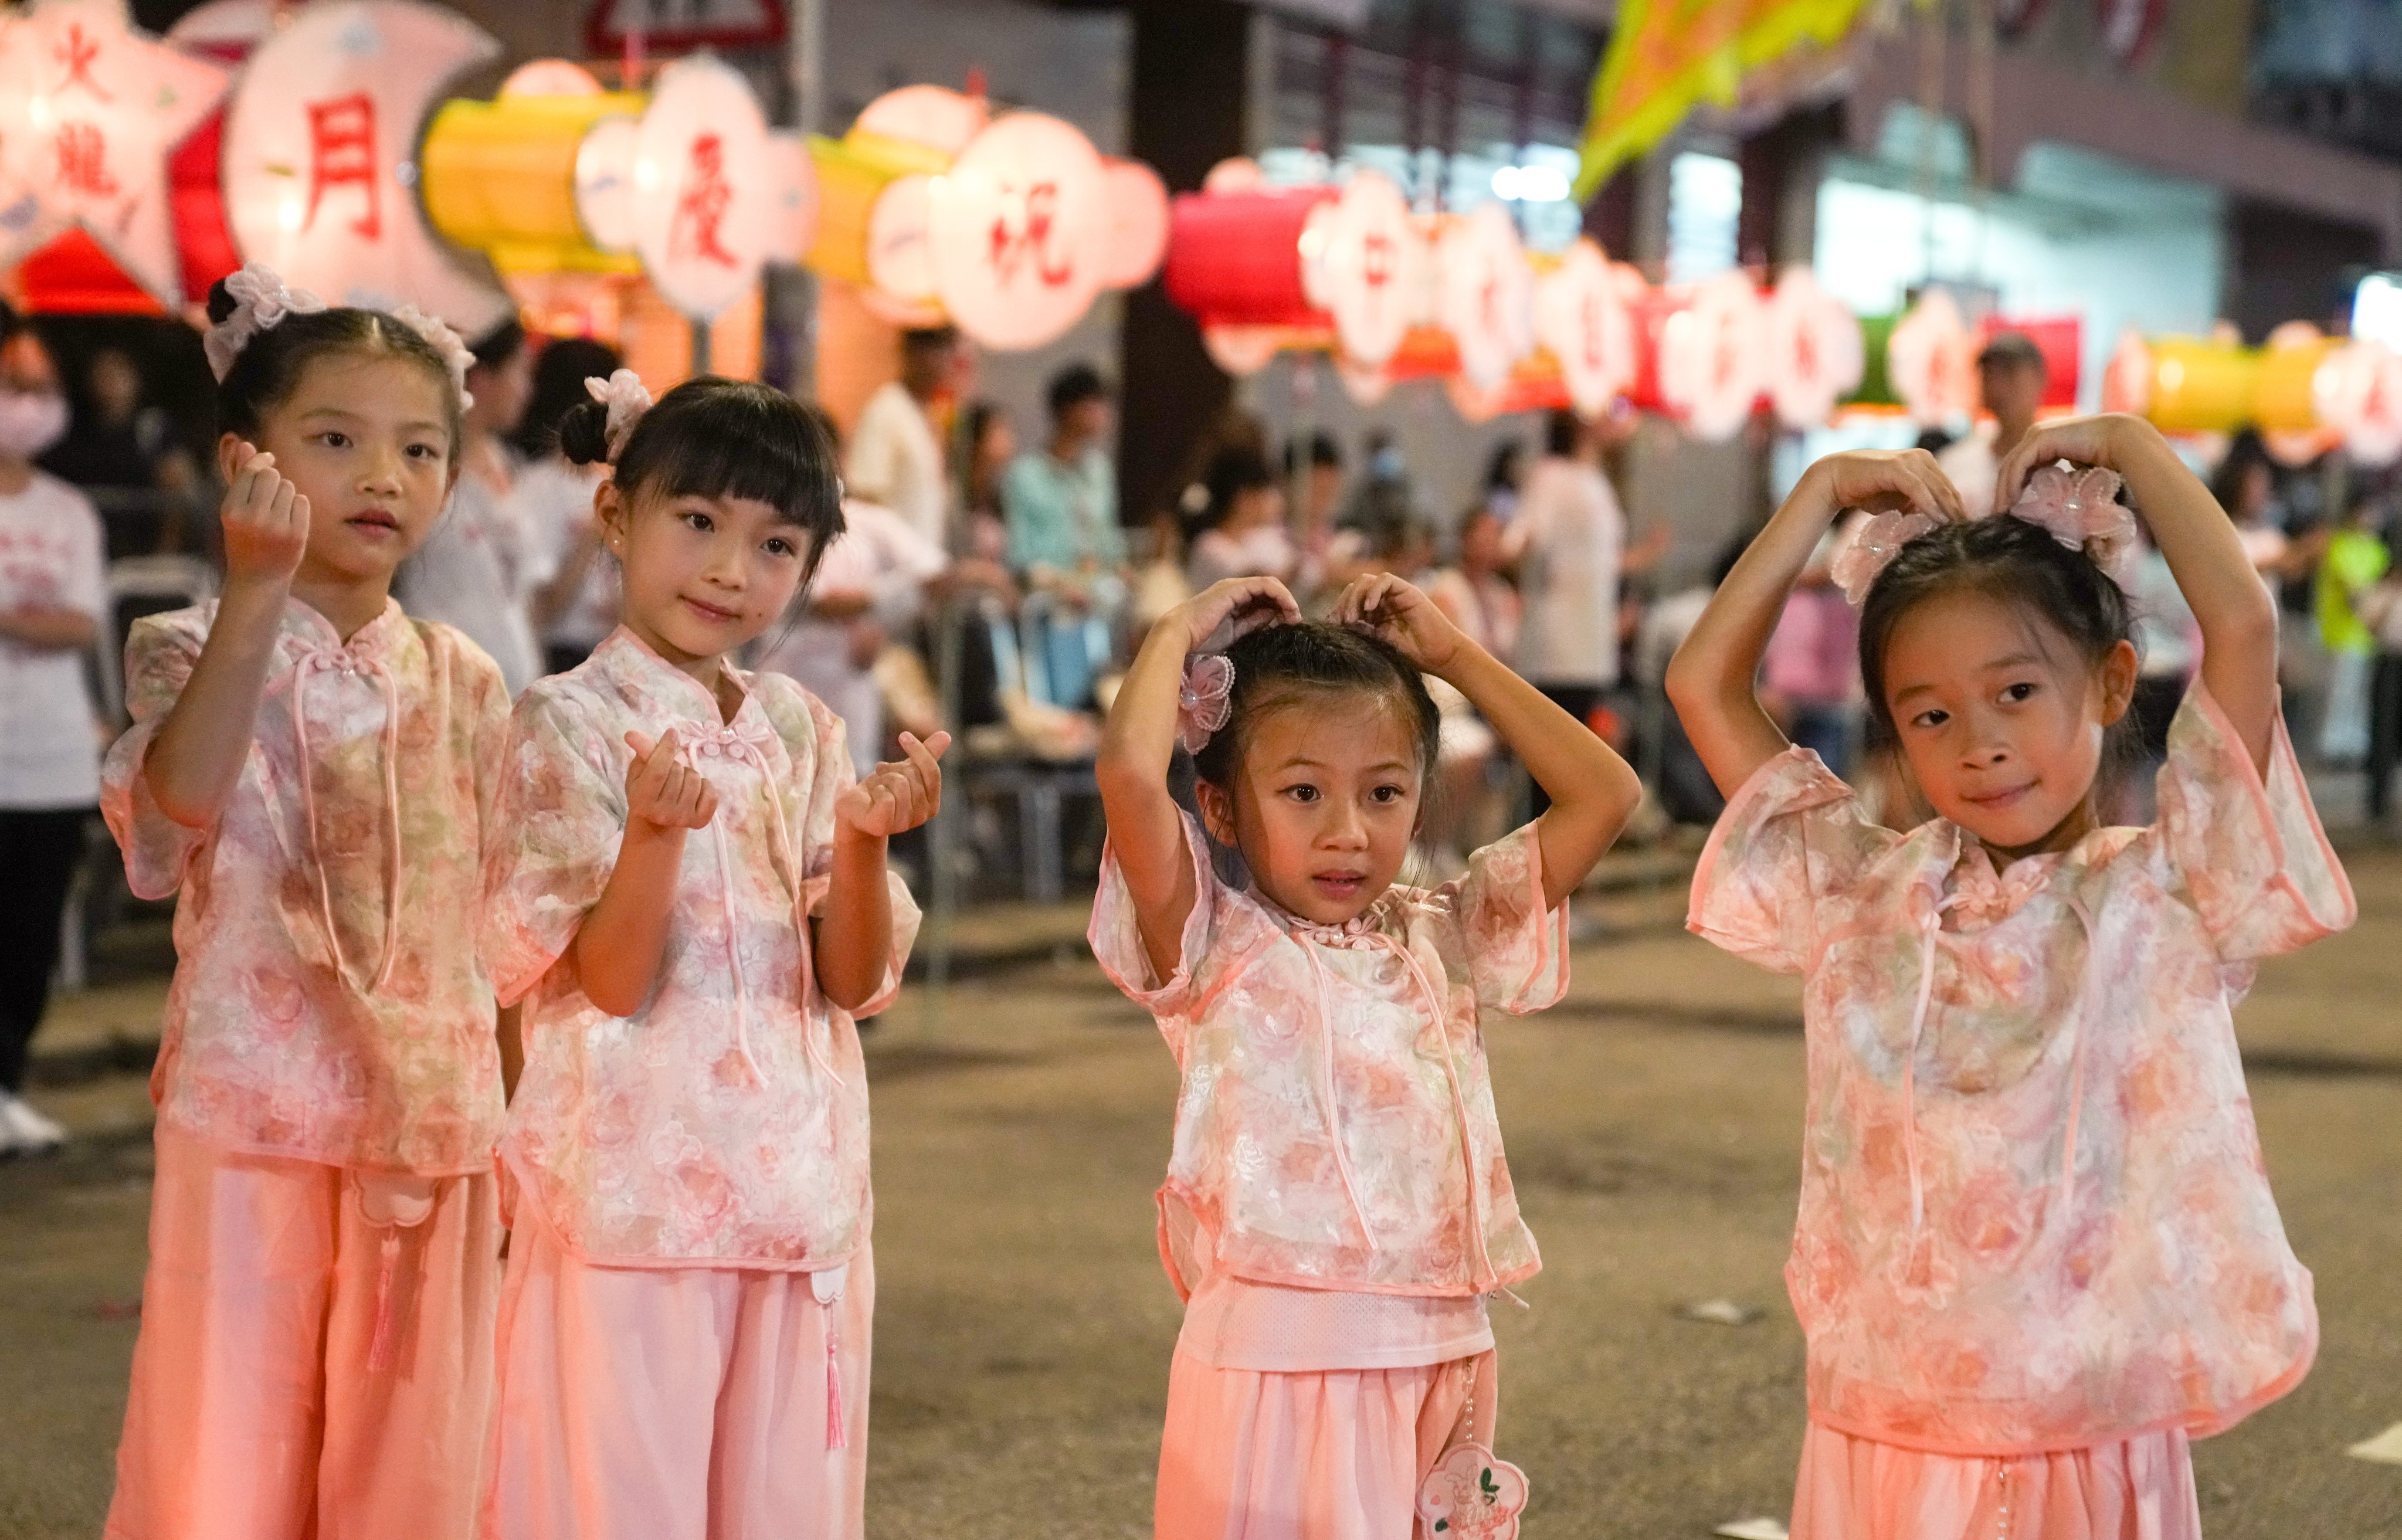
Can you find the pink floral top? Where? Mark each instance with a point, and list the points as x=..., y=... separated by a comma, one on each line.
x=326, y=1003
x=2034, y=1215
x=726, y=1123
x=1336, y=1128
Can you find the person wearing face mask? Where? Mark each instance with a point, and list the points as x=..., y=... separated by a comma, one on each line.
x=53, y=596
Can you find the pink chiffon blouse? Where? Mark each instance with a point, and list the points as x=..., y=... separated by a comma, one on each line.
x=327, y=1003
x=2034, y=1213
x=1335, y=1128
x=724, y=1123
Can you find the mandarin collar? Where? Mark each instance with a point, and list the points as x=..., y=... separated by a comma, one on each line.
x=381, y=637
x=655, y=684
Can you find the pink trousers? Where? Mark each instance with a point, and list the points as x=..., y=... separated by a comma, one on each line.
x=1856, y=1489
x=677, y=1404
x=1336, y=1455
x=315, y=1359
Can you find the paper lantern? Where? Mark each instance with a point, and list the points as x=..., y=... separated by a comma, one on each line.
x=2358, y=393
x=1580, y=320
x=1364, y=263
x=1484, y=293
x=500, y=176
x=931, y=117
x=1813, y=352
x=90, y=110
x=2061, y=339
x=1137, y=203
x=902, y=288
x=2285, y=402
x=1930, y=359
x=320, y=155
x=1020, y=233
x=852, y=174
x=1712, y=363
x=705, y=197
x=1233, y=258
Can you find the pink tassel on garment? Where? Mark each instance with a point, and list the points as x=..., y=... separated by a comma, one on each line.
x=379, y=1346
x=835, y=1438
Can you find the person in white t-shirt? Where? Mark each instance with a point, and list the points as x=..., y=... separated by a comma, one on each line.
x=2011, y=378
x=896, y=455
x=53, y=600
x=1569, y=538
x=476, y=571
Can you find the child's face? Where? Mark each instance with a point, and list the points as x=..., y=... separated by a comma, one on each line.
x=702, y=574
x=2000, y=720
x=365, y=438
x=1327, y=803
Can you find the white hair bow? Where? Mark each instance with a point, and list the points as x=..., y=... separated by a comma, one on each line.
x=627, y=398
x=260, y=303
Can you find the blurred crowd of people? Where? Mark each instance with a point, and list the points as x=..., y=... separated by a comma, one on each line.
x=988, y=583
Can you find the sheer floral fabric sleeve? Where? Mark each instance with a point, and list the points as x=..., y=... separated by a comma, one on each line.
x=561, y=814
x=2247, y=850
x=1793, y=838
x=1517, y=949
x=1116, y=937
x=160, y=656
x=801, y=716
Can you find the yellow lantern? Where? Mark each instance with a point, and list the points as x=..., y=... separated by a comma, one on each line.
x=500, y=176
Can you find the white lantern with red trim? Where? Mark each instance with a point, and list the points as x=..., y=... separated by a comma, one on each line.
x=1020, y=233
x=1931, y=360
x=705, y=194
x=1484, y=293
x=1814, y=355
x=1136, y=200
x=2359, y=394
x=1712, y=361
x=1363, y=262
x=89, y=111
x=1580, y=317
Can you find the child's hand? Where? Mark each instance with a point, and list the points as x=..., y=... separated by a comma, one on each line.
x=266, y=522
x=900, y=795
x=2102, y=439
x=1229, y=609
x=1393, y=608
x=1884, y=480
x=662, y=790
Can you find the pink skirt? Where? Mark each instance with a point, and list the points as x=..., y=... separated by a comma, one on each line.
x=315, y=1359
x=1856, y=1489
x=676, y=1403
x=1334, y=1455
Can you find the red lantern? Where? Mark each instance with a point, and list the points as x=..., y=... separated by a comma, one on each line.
x=1234, y=258
x=2061, y=339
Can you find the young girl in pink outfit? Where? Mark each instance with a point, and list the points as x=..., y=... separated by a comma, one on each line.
x=309, y=767
x=690, y=898
x=2037, y=1251
x=1337, y=1207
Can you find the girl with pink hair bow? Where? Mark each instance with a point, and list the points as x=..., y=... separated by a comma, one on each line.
x=2035, y=1252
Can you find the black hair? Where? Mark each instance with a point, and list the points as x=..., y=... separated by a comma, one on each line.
x=1504, y=468
x=921, y=338
x=1562, y=431
x=12, y=321
x=1278, y=664
x=2247, y=449
x=559, y=371
x=1232, y=471
x=1320, y=450
x=715, y=437
x=269, y=367
x=501, y=344
x=1074, y=385
x=2023, y=565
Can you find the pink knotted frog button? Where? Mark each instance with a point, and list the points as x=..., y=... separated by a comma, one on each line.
x=1470, y=1495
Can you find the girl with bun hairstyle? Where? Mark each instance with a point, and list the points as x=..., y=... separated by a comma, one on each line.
x=690, y=899
x=307, y=771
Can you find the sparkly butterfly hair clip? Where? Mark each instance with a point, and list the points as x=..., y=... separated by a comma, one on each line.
x=1205, y=700
x=2078, y=508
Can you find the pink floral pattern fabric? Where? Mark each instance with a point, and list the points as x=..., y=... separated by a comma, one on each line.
x=311, y=1014
x=1336, y=1127
x=725, y=1122
x=2095, y=1253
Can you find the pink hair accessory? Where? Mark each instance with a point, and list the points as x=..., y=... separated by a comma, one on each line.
x=1205, y=701
x=445, y=342
x=2081, y=510
x=627, y=398
x=1878, y=542
x=260, y=303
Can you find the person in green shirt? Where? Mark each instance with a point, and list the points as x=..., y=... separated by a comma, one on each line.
x=2356, y=556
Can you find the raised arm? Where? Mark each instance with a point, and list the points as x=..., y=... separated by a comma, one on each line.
x=1593, y=790
x=2238, y=618
x=1138, y=744
x=1712, y=678
x=199, y=753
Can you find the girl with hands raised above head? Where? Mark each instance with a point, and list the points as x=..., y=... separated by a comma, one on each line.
x=693, y=904
x=311, y=768
x=1338, y=1205
x=2036, y=1252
